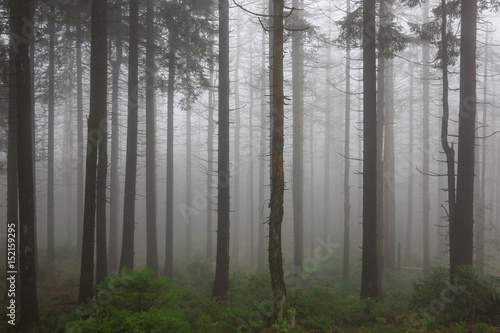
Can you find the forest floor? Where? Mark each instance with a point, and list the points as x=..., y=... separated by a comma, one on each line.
x=137, y=302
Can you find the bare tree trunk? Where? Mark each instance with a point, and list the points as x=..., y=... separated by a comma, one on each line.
x=277, y=173
x=79, y=122
x=382, y=231
x=210, y=168
x=262, y=159
x=347, y=171
x=169, y=240
x=298, y=138
x=29, y=317
x=188, y=182
x=328, y=136
x=461, y=247
x=127, y=256
x=251, y=227
x=237, y=159
x=369, y=269
x=151, y=247
x=114, y=195
x=50, y=142
x=411, y=167
x=221, y=282
x=426, y=152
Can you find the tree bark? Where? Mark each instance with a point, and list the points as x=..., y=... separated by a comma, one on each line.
x=221, y=282
x=188, y=182
x=127, y=256
x=210, y=168
x=50, y=141
x=369, y=271
x=411, y=167
x=151, y=247
x=29, y=316
x=79, y=124
x=461, y=247
x=262, y=159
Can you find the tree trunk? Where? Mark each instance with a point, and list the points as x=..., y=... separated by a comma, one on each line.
x=114, y=192
x=188, y=182
x=127, y=256
x=277, y=173
x=237, y=159
x=169, y=240
x=12, y=263
x=426, y=152
x=298, y=138
x=369, y=271
x=102, y=166
x=210, y=168
x=461, y=246
x=262, y=159
x=95, y=136
x=79, y=124
x=50, y=142
x=221, y=282
x=347, y=134
x=151, y=247
x=29, y=317
x=251, y=227
x=382, y=231
x=411, y=167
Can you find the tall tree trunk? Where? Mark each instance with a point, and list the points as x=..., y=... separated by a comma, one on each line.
x=210, y=168
x=169, y=240
x=50, y=142
x=298, y=138
x=151, y=247
x=221, y=282
x=188, y=182
x=426, y=151
x=237, y=158
x=79, y=125
x=347, y=134
x=12, y=262
x=389, y=168
x=328, y=139
x=262, y=159
x=251, y=227
x=461, y=246
x=382, y=232
x=369, y=271
x=114, y=192
x=409, y=218
x=127, y=256
x=277, y=173
x=95, y=137
x=448, y=150
x=481, y=205
x=102, y=166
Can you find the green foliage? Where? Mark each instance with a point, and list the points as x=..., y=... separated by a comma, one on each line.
x=470, y=299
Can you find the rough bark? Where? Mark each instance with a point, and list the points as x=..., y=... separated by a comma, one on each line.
x=127, y=255
x=369, y=271
x=221, y=282
x=461, y=244
x=151, y=239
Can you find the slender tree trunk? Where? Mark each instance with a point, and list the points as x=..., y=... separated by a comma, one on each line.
x=210, y=168
x=79, y=124
x=369, y=271
x=114, y=192
x=127, y=256
x=461, y=247
x=251, y=227
x=169, y=240
x=347, y=134
x=50, y=142
x=426, y=151
x=12, y=262
x=448, y=150
x=411, y=167
x=237, y=158
x=389, y=168
x=95, y=137
x=188, y=182
x=29, y=317
x=277, y=173
x=262, y=159
x=221, y=282
x=298, y=138
x=382, y=230
x=102, y=166
x=328, y=139
x=151, y=247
